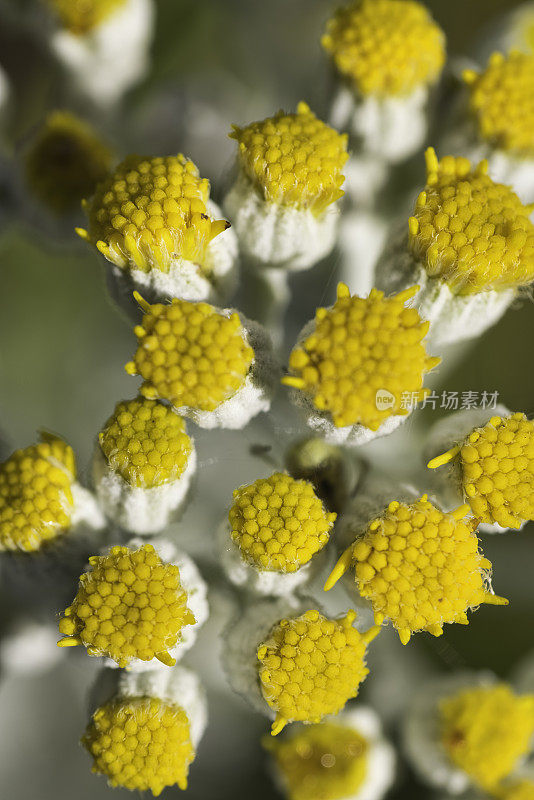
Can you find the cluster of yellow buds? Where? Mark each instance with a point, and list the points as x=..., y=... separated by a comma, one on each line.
x=356, y=372
x=468, y=730
x=283, y=204
x=279, y=523
x=418, y=567
x=344, y=756
x=486, y=731
x=211, y=364
x=496, y=470
x=41, y=503
x=294, y=663
x=501, y=102
x=385, y=48
x=469, y=246
x=144, y=737
x=388, y=55
x=311, y=665
x=132, y=606
x=493, y=120
x=351, y=371
x=143, y=465
x=153, y=220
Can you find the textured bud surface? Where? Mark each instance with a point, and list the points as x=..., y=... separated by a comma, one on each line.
x=146, y=443
x=486, y=731
x=191, y=354
x=310, y=666
x=129, y=605
x=385, y=47
x=472, y=233
x=279, y=523
x=321, y=762
x=497, y=470
x=419, y=568
x=359, y=347
x=294, y=159
x=36, y=503
x=83, y=16
x=151, y=211
x=65, y=161
x=141, y=744
x=501, y=99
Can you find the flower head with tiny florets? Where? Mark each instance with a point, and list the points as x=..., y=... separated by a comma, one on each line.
x=419, y=567
x=385, y=47
x=310, y=666
x=496, y=465
x=471, y=233
x=36, y=502
x=279, y=523
x=83, y=16
x=146, y=442
x=65, y=161
x=129, y=604
x=485, y=731
x=151, y=211
x=294, y=159
x=321, y=762
x=502, y=102
x=191, y=354
x=359, y=347
x=142, y=744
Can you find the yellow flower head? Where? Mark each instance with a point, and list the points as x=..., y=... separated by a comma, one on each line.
x=310, y=666
x=470, y=232
x=142, y=744
x=496, y=465
x=419, y=568
x=294, y=159
x=279, y=523
x=321, y=762
x=65, y=161
x=129, y=605
x=146, y=443
x=151, y=211
x=486, y=731
x=362, y=346
x=190, y=354
x=385, y=47
x=501, y=99
x=36, y=502
x=83, y=16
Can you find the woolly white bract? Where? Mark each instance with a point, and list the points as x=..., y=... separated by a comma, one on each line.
x=215, y=281
x=452, y=317
x=255, y=394
x=275, y=235
x=104, y=63
x=136, y=509
x=274, y=583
